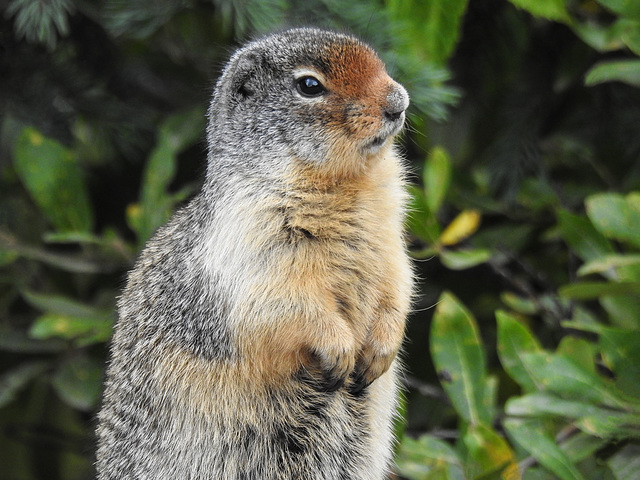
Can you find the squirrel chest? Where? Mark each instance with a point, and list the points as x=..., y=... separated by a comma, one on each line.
x=314, y=263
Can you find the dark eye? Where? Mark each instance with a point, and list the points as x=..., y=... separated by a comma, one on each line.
x=310, y=87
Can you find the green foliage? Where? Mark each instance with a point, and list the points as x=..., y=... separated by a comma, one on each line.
x=567, y=345
x=627, y=71
x=54, y=180
x=156, y=202
x=41, y=22
x=525, y=206
x=430, y=30
x=459, y=359
x=549, y=9
x=425, y=224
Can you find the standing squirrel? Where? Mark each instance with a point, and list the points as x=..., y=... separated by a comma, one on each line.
x=258, y=331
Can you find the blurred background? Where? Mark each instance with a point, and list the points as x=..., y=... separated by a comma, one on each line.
x=523, y=140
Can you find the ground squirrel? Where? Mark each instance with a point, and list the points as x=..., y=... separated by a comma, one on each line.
x=258, y=332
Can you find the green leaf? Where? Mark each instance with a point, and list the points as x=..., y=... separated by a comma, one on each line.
x=436, y=178
x=582, y=237
x=156, y=204
x=537, y=194
x=72, y=237
x=421, y=221
x=66, y=262
x=430, y=29
x=621, y=353
x=491, y=395
x=83, y=330
x=14, y=380
x=16, y=341
x=518, y=303
x=428, y=458
x=608, y=262
x=62, y=305
x=614, y=426
x=631, y=33
x=463, y=259
x=621, y=33
x=54, y=180
x=625, y=464
x=541, y=403
x=625, y=71
x=458, y=355
x=616, y=216
x=582, y=317
x=579, y=351
x=582, y=445
x=564, y=377
x=69, y=319
x=625, y=8
x=549, y=9
x=536, y=473
x=7, y=257
x=515, y=340
x=622, y=310
x=138, y=19
x=78, y=381
x=544, y=449
x=598, y=37
x=591, y=290
x=488, y=450
x=512, y=237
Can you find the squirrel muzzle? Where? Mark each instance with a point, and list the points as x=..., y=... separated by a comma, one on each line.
x=393, y=116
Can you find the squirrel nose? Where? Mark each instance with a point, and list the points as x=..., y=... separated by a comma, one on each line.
x=397, y=102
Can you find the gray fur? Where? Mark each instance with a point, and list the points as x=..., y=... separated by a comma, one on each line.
x=173, y=408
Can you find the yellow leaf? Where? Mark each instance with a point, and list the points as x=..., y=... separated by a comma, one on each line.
x=134, y=211
x=511, y=472
x=463, y=226
x=35, y=137
x=61, y=325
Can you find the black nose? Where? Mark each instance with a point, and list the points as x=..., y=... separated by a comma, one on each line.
x=397, y=103
x=392, y=115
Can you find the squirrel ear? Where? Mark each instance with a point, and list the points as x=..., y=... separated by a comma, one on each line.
x=244, y=71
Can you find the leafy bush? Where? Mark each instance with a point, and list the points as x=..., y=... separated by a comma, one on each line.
x=570, y=409
x=524, y=221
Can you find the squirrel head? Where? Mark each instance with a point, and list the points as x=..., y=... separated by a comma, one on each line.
x=321, y=98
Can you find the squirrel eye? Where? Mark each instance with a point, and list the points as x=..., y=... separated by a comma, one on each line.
x=310, y=87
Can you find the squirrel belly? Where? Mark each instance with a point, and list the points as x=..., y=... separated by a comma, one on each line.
x=258, y=332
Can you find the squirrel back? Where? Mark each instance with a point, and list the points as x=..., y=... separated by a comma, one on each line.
x=258, y=332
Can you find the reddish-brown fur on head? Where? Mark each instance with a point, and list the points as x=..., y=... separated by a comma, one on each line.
x=357, y=76
x=363, y=107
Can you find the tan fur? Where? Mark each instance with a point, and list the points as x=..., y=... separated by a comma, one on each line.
x=259, y=331
x=305, y=277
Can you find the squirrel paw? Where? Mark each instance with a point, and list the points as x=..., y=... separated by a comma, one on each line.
x=330, y=369
x=372, y=363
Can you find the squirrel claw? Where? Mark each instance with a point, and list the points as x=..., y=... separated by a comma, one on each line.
x=369, y=367
x=329, y=374
x=330, y=383
x=359, y=384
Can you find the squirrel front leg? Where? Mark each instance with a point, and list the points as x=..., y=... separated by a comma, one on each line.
x=386, y=331
x=330, y=357
x=380, y=348
x=315, y=343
